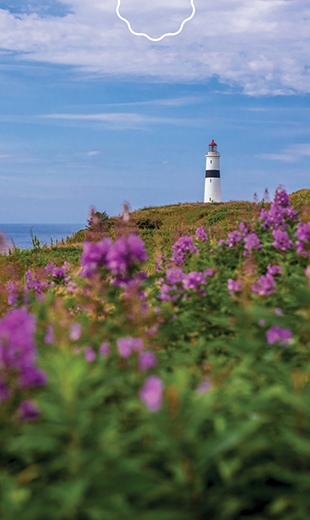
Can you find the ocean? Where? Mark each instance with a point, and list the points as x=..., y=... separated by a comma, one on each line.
x=20, y=234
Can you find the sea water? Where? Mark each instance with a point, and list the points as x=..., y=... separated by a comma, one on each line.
x=21, y=235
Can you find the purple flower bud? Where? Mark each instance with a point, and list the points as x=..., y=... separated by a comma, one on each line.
x=27, y=411
x=204, y=386
x=151, y=394
x=147, y=360
x=75, y=331
x=12, y=293
x=104, y=349
x=49, y=336
x=90, y=354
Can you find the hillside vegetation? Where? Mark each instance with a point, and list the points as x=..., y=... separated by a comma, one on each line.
x=182, y=394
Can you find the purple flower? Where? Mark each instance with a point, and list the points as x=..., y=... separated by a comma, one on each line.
x=274, y=270
x=279, y=213
x=278, y=311
x=281, y=198
x=182, y=248
x=75, y=331
x=124, y=254
x=49, y=336
x=303, y=239
x=201, y=234
x=174, y=275
x=58, y=273
x=31, y=377
x=147, y=360
x=66, y=267
x=49, y=267
x=33, y=283
x=5, y=391
x=251, y=241
x=18, y=351
x=281, y=240
x=279, y=335
x=243, y=228
x=233, y=238
x=126, y=346
x=12, y=293
x=194, y=280
x=208, y=272
x=104, y=349
x=233, y=286
x=265, y=285
x=204, y=386
x=166, y=293
x=94, y=256
x=90, y=354
x=151, y=394
x=27, y=411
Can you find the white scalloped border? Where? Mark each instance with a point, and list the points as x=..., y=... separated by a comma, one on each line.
x=146, y=35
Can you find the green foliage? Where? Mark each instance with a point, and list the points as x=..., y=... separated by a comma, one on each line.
x=98, y=221
x=148, y=223
x=240, y=449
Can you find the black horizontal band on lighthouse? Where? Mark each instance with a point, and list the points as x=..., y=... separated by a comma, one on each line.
x=213, y=173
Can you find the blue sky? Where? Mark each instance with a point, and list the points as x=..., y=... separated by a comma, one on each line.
x=92, y=115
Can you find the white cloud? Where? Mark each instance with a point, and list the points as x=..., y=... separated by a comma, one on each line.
x=291, y=154
x=262, y=46
x=122, y=119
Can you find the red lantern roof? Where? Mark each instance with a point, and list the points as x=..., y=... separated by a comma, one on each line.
x=213, y=143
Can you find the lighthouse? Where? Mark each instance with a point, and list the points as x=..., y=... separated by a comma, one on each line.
x=213, y=179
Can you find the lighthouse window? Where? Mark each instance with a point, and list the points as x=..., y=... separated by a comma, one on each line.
x=210, y=180
x=210, y=199
x=210, y=161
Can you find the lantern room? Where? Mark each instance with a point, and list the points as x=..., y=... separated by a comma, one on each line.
x=213, y=146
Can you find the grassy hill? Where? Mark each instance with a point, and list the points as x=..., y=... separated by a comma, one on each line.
x=160, y=226
x=219, y=217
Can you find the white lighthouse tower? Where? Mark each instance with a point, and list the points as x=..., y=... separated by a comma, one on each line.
x=213, y=179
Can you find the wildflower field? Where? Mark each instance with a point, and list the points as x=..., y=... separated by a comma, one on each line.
x=175, y=391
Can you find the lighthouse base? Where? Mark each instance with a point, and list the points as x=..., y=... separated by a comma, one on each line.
x=212, y=190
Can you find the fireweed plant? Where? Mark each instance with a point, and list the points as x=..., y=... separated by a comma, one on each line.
x=181, y=395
